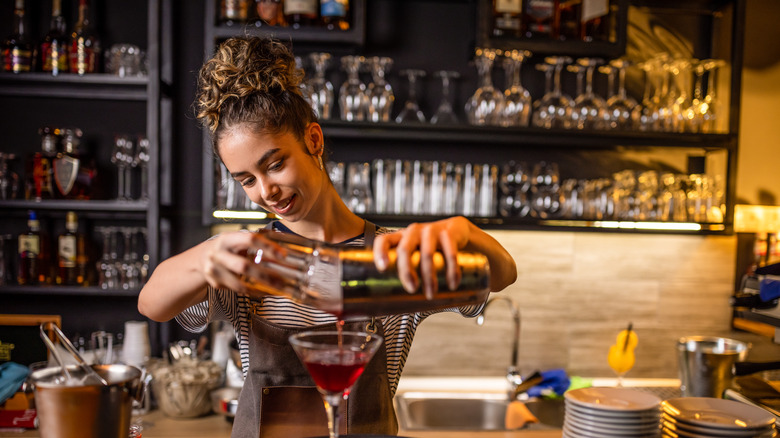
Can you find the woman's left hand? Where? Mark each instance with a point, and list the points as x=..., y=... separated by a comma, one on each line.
x=447, y=236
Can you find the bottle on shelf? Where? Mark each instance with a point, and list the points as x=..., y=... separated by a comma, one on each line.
x=54, y=47
x=345, y=281
x=40, y=173
x=18, y=50
x=270, y=12
x=568, y=16
x=595, y=20
x=507, y=18
x=72, y=256
x=232, y=12
x=334, y=14
x=301, y=13
x=73, y=175
x=85, y=47
x=33, y=254
x=539, y=18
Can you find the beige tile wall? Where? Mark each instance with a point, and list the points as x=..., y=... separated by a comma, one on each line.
x=576, y=292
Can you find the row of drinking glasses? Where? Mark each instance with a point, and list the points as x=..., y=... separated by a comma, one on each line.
x=679, y=95
x=130, y=155
x=373, y=102
x=124, y=263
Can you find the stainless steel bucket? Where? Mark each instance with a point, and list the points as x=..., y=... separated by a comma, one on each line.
x=72, y=409
x=706, y=364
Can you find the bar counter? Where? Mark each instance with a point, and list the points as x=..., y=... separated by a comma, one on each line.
x=157, y=425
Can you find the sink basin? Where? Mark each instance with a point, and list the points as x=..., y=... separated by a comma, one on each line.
x=469, y=411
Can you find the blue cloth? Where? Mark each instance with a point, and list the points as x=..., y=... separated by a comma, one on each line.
x=769, y=289
x=12, y=375
x=553, y=381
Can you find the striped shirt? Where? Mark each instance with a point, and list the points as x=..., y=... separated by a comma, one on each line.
x=224, y=304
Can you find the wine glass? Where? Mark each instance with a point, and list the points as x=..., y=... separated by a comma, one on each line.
x=107, y=263
x=353, y=101
x=646, y=116
x=554, y=109
x=590, y=110
x=120, y=159
x=517, y=100
x=486, y=105
x=411, y=112
x=704, y=107
x=445, y=114
x=141, y=161
x=335, y=361
x=620, y=105
x=321, y=90
x=380, y=93
x=681, y=83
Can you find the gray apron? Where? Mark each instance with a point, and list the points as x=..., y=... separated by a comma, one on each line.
x=280, y=400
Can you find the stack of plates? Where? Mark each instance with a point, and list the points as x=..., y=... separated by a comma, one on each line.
x=611, y=413
x=705, y=417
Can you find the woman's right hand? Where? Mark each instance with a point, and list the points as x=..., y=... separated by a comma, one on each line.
x=226, y=262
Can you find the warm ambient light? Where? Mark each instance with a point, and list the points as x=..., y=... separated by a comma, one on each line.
x=764, y=220
x=631, y=225
x=229, y=214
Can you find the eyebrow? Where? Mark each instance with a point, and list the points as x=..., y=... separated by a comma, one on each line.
x=266, y=156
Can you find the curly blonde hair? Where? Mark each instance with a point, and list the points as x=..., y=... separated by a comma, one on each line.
x=252, y=81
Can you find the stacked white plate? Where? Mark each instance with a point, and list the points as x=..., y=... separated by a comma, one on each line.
x=705, y=417
x=611, y=413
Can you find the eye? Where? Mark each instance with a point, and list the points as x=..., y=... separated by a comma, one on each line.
x=276, y=165
x=247, y=181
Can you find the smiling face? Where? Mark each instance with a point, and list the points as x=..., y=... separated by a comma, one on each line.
x=279, y=172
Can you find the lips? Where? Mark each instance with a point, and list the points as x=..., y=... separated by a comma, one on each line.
x=284, y=206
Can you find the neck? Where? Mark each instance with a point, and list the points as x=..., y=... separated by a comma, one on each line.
x=330, y=220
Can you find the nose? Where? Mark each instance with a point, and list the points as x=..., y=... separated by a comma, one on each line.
x=264, y=191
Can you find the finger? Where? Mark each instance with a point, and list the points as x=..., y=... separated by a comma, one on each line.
x=449, y=249
x=428, y=246
x=407, y=245
x=382, y=245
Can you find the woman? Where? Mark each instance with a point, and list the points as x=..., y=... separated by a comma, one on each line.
x=267, y=136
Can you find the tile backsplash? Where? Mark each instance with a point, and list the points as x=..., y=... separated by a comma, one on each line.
x=576, y=291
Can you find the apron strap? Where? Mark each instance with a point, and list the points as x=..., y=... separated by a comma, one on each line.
x=369, y=233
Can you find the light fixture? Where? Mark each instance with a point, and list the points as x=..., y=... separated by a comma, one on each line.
x=764, y=221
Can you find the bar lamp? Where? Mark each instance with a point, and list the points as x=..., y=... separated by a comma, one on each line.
x=764, y=221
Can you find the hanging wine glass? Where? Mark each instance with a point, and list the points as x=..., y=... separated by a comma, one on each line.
x=620, y=106
x=445, y=114
x=380, y=93
x=122, y=144
x=590, y=110
x=705, y=108
x=668, y=95
x=353, y=101
x=486, y=105
x=109, y=275
x=141, y=161
x=646, y=116
x=681, y=81
x=517, y=100
x=321, y=89
x=554, y=109
x=411, y=112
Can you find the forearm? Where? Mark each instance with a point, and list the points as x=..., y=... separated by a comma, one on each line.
x=503, y=270
x=176, y=284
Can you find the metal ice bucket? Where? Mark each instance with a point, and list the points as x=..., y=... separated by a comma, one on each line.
x=706, y=364
x=69, y=408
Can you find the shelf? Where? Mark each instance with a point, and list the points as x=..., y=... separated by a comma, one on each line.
x=76, y=205
x=91, y=291
x=530, y=137
x=302, y=35
x=72, y=86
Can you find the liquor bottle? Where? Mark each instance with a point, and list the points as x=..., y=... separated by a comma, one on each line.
x=40, y=173
x=85, y=49
x=33, y=253
x=54, y=47
x=73, y=174
x=300, y=13
x=539, y=18
x=568, y=15
x=595, y=20
x=270, y=12
x=334, y=14
x=72, y=259
x=345, y=281
x=234, y=12
x=17, y=49
x=507, y=18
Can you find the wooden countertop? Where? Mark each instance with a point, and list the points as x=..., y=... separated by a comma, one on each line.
x=157, y=425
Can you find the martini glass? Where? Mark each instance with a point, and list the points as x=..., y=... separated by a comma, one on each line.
x=335, y=360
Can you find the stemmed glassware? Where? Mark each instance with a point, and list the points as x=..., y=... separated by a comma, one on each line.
x=620, y=106
x=486, y=105
x=411, y=112
x=122, y=158
x=141, y=161
x=108, y=274
x=680, y=70
x=320, y=88
x=704, y=108
x=353, y=101
x=127, y=266
x=590, y=110
x=517, y=100
x=335, y=361
x=646, y=116
x=380, y=93
x=554, y=109
x=445, y=114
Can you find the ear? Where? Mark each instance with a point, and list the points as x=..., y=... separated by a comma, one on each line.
x=312, y=136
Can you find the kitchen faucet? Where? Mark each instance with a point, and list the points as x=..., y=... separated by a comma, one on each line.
x=518, y=385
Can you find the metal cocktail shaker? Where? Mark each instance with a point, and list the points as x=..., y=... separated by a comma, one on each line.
x=345, y=281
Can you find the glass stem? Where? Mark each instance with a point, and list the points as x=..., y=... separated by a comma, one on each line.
x=332, y=402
